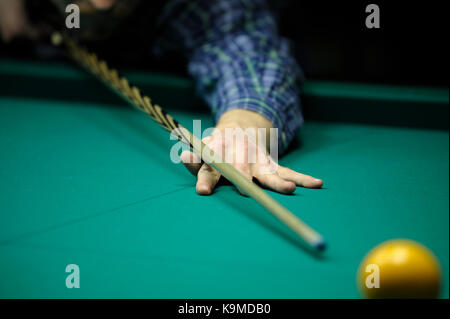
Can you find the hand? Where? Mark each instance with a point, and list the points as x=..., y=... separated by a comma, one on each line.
x=281, y=179
x=13, y=21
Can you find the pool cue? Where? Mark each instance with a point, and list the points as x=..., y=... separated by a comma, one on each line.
x=132, y=95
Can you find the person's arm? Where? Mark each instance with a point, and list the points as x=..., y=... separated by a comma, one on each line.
x=13, y=20
x=247, y=75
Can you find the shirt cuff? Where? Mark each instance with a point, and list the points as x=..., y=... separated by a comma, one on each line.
x=287, y=119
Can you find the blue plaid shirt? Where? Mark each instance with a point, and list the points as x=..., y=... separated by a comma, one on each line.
x=237, y=58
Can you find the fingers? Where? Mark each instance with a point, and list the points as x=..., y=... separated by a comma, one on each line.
x=245, y=171
x=191, y=161
x=298, y=178
x=207, y=178
x=281, y=179
x=276, y=183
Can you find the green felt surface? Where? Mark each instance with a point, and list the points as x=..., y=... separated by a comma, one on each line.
x=92, y=184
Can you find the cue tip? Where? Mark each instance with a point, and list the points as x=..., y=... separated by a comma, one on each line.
x=320, y=244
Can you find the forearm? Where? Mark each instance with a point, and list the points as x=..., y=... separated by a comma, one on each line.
x=238, y=60
x=254, y=70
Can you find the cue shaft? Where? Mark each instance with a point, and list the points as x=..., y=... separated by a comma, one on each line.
x=308, y=234
x=133, y=96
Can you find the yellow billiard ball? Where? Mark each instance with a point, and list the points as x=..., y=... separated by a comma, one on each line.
x=399, y=268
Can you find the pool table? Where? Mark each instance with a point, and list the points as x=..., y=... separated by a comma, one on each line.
x=86, y=179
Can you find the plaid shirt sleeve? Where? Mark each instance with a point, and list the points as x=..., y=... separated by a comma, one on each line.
x=237, y=59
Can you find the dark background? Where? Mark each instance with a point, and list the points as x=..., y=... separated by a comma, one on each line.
x=332, y=42
x=409, y=48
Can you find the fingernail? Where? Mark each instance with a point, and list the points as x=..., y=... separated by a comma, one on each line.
x=204, y=190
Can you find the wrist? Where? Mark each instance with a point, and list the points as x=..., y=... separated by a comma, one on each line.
x=244, y=119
